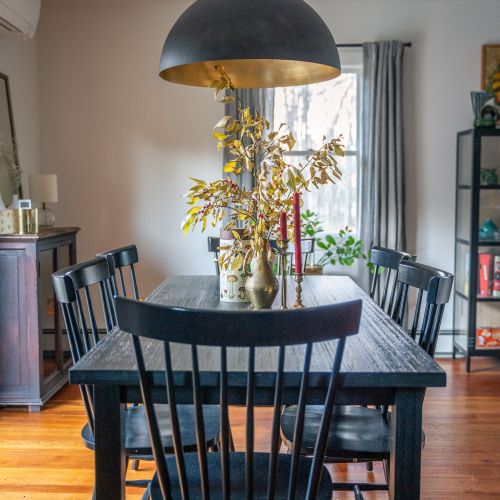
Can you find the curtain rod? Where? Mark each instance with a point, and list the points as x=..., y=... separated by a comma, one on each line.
x=355, y=45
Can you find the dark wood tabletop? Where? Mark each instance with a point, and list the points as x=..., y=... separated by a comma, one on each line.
x=382, y=365
x=381, y=355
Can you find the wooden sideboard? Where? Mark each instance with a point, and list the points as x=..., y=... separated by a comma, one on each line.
x=34, y=358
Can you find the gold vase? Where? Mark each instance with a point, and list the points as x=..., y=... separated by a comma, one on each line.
x=262, y=285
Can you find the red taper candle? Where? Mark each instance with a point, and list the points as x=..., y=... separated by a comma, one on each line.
x=283, y=226
x=296, y=232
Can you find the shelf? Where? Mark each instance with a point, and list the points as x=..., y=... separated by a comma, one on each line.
x=491, y=188
x=480, y=298
x=488, y=243
x=480, y=243
x=485, y=352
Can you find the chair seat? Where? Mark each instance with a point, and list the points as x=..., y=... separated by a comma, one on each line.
x=237, y=476
x=137, y=440
x=355, y=432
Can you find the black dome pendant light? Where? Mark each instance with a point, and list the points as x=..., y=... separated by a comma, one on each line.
x=260, y=43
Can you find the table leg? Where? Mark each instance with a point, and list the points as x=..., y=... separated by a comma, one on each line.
x=406, y=445
x=109, y=451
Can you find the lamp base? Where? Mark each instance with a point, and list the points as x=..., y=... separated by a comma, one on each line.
x=46, y=217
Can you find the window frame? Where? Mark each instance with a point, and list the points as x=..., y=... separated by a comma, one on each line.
x=358, y=70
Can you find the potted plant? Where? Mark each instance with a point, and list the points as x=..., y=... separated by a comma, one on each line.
x=254, y=148
x=343, y=249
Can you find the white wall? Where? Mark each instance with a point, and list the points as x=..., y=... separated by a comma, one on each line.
x=441, y=68
x=19, y=61
x=123, y=141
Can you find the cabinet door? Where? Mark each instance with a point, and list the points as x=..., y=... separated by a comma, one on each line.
x=14, y=363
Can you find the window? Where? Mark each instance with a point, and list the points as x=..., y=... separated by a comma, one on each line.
x=326, y=109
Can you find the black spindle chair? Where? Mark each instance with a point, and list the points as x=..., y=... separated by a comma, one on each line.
x=83, y=336
x=359, y=434
x=436, y=285
x=386, y=259
x=232, y=474
x=119, y=259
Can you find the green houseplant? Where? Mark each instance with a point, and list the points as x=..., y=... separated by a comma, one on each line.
x=343, y=249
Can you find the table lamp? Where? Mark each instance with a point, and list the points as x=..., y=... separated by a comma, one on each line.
x=43, y=189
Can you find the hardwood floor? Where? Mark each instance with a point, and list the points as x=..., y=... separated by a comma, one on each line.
x=41, y=455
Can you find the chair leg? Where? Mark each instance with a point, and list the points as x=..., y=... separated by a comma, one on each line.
x=147, y=493
x=231, y=441
x=387, y=467
x=357, y=493
x=135, y=464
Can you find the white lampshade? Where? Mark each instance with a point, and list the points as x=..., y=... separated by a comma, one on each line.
x=43, y=188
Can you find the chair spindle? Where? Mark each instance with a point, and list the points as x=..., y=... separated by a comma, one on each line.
x=299, y=423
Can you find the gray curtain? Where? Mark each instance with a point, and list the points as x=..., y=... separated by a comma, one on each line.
x=382, y=210
x=261, y=100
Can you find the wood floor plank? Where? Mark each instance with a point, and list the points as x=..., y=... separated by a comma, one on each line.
x=42, y=457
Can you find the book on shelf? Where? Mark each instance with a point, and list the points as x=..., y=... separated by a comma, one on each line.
x=487, y=338
x=485, y=274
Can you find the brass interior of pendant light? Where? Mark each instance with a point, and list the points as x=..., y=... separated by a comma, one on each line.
x=251, y=73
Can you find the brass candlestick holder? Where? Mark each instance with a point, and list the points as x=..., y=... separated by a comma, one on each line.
x=282, y=248
x=299, y=278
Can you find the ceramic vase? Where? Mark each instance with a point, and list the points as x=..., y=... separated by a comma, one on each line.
x=232, y=283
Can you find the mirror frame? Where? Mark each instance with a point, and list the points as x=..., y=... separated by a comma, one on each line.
x=12, y=128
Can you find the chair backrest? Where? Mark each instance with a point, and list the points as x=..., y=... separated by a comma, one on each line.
x=248, y=329
x=118, y=259
x=436, y=285
x=80, y=314
x=213, y=247
x=386, y=259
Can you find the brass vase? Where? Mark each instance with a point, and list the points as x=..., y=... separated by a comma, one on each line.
x=262, y=286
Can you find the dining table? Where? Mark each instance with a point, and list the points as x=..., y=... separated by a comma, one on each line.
x=382, y=365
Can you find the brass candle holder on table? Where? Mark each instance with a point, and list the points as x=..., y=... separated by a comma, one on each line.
x=299, y=278
x=282, y=249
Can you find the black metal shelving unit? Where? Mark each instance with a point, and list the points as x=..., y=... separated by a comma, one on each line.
x=476, y=149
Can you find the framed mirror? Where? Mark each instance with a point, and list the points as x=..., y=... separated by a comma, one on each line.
x=10, y=172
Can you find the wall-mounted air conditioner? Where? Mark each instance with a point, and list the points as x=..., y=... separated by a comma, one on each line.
x=19, y=16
